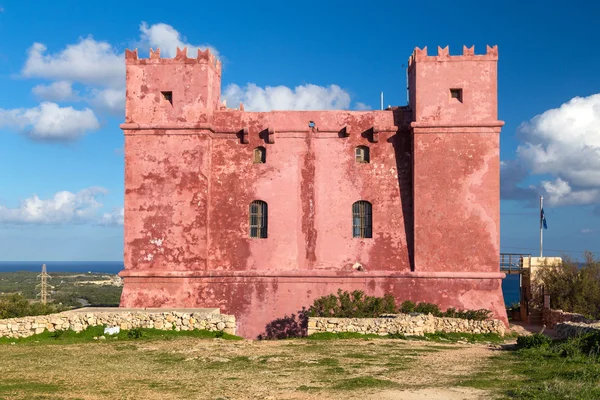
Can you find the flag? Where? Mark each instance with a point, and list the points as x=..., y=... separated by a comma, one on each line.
x=543, y=219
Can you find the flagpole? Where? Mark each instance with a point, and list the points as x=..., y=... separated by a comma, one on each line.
x=541, y=226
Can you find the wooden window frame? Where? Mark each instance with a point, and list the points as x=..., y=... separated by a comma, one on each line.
x=362, y=220
x=258, y=218
x=362, y=154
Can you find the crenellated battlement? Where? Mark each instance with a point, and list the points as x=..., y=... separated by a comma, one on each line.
x=468, y=54
x=181, y=57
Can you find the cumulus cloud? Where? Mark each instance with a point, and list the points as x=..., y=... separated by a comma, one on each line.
x=304, y=97
x=116, y=217
x=88, y=61
x=49, y=121
x=110, y=100
x=63, y=208
x=56, y=91
x=167, y=39
x=563, y=143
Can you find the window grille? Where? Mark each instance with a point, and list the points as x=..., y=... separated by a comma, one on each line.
x=362, y=154
x=258, y=219
x=362, y=221
x=260, y=155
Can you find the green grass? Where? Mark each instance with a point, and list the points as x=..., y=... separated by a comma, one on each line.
x=544, y=373
x=70, y=337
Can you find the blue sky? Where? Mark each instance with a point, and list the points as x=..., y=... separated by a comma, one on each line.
x=61, y=161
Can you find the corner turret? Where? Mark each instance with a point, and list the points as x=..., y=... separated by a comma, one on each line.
x=172, y=90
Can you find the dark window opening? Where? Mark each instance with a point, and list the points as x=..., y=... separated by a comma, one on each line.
x=361, y=154
x=258, y=219
x=362, y=220
x=168, y=96
x=260, y=155
x=456, y=94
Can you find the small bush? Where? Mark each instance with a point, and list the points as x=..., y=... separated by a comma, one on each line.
x=533, y=341
x=352, y=305
x=16, y=305
x=407, y=307
x=428, y=308
x=135, y=333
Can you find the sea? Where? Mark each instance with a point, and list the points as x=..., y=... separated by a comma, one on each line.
x=510, y=285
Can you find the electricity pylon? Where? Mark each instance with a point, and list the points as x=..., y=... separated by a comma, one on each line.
x=43, y=286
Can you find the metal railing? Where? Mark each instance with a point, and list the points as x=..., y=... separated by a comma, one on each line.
x=512, y=263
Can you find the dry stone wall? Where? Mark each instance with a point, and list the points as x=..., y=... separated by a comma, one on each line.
x=408, y=324
x=565, y=330
x=553, y=317
x=79, y=321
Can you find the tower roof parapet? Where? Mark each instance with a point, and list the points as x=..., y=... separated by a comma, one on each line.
x=420, y=55
x=181, y=57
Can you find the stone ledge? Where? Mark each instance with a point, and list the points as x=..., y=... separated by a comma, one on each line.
x=79, y=321
x=416, y=325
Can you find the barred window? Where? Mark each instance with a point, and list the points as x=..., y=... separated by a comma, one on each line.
x=260, y=155
x=361, y=154
x=258, y=219
x=362, y=222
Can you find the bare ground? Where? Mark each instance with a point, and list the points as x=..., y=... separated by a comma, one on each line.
x=188, y=368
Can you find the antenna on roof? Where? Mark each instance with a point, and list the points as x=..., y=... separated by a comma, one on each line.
x=382, y=100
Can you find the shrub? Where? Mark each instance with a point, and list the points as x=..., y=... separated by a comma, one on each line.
x=428, y=308
x=573, y=288
x=15, y=305
x=533, y=341
x=407, y=307
x=352, y=305
x=135, y=333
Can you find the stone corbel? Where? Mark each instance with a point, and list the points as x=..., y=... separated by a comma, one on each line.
x=243, y=135
x=268, y=135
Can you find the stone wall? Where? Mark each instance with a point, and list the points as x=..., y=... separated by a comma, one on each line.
x=408, y=324
x=79, y=321
x=566, y=330
x=552, y=317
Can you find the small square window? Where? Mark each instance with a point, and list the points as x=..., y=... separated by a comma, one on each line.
x=168, y=96
x=456, y=94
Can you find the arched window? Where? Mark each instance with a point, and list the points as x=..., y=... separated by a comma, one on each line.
x=260, y=155
x=362, y=221
x=361, y=154
x=258, y=219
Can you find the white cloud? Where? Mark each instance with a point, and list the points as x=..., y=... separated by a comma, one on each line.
x=361, y=106
x=111, y=100
x=560, y=193
x=64, y=207
x=304, y=97
x=88, y=61
x=167, y=38
x=49, y=121
x=56, y=91
x=587, y=230
x=116, y=217
x=564, y=143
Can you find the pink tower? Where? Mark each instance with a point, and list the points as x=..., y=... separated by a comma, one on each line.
x=259, y=213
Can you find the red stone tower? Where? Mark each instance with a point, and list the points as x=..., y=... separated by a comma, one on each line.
x=402, y=201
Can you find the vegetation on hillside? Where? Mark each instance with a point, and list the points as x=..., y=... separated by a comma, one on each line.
x=18, y=293
x=572, y=287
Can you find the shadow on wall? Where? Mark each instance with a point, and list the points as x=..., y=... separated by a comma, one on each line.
x=292, y=326
x=403, y=150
